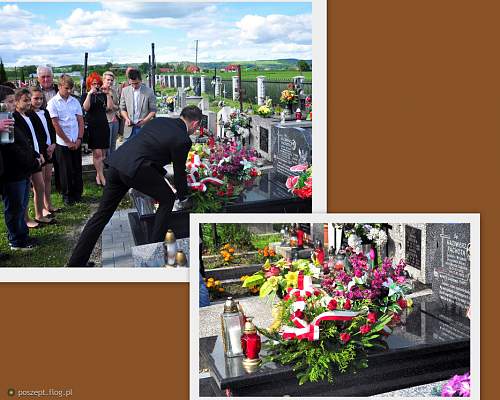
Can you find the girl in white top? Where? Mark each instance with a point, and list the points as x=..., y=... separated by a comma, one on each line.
x=43, y=115
x=23, y=107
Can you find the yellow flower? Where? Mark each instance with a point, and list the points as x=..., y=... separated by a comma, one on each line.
x=292, y=278
x=209, y=284
x=221, y=289
x=217, y=283
x=211, y=280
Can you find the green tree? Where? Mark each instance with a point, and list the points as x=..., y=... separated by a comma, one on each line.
x=303, y=66
x=144, y=68
x=3, y=74
x=23, y=78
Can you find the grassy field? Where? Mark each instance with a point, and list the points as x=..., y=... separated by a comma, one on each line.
x=55, y=241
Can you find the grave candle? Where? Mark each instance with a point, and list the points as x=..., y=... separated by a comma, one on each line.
x=170, y=247
x=231, y=329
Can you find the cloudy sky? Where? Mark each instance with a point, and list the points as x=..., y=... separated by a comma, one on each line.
x=122, y=32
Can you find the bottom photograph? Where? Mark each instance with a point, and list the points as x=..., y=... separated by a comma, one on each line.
x=335, y=308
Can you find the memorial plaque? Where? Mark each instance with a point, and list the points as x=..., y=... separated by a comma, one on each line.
x=263, y=139
x=291, y=145
x=451, y=282
x=413, y=246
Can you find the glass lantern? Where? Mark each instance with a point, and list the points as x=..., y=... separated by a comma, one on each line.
x=232, y=329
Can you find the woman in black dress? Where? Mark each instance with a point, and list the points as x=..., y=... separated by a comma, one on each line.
x=96, y=103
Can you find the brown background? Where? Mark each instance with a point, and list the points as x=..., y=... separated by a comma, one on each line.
x=414, y=101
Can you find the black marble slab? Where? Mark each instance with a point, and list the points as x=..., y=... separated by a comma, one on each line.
x=418, y=353
x=265, y=195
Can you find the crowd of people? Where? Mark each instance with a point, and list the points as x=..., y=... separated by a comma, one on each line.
x=49, y=124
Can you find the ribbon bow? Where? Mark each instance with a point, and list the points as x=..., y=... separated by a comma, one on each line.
x=193, y=166
x=304, y=330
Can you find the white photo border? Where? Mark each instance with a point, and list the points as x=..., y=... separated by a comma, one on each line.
x=472, y=219
x=319, y=142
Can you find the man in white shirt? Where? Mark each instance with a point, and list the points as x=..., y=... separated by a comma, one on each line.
x=66, y=114
x=137, y=105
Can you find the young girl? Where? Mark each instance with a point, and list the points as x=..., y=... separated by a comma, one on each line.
x=23, y=116
x=20, y=160
x=50, y=134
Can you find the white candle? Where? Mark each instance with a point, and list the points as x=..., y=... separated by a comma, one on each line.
x=171, y=250
x=235, y=340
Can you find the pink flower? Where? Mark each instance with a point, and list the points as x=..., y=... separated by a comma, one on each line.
x=372, y=254
x=345, y=337
x=291, y=181
x=298, y=168
x=273, y=271
x=365, y=329
x=332, y=305
x=372, y=317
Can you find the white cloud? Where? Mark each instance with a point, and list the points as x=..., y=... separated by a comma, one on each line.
x=259, y=29
x=158, y=10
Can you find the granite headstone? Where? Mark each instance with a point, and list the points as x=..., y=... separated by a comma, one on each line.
x=291, y=145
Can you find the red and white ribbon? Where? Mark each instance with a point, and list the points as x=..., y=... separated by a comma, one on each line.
x=304, y=330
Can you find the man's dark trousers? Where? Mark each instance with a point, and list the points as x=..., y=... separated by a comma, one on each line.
x=147, y=180
x=70, y=173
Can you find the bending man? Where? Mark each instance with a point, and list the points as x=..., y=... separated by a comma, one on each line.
x=138, y=164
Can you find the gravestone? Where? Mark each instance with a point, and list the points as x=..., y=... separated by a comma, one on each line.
x=451, y=284
x=176, y=81
x=223, y=117
x=436, y=254
x=197, y=85
x=412, y=243
x=203, y=105
x=203, y=83
x=260, y=135
x=291, y=144
x=212, y=122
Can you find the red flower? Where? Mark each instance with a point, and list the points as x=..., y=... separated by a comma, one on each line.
x=298, y=314
x=347, y=304
x=332, y=305
x=291, y=181
x=316, y=292
x=402, y=303
x=214, y=174
x=287, y=297
x=365, y=329
x=345, y=337
x=372, y=317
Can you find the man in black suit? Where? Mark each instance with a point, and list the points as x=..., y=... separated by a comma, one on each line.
x=138, y=164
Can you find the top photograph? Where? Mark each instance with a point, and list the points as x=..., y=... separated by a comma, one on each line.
x=120, y=119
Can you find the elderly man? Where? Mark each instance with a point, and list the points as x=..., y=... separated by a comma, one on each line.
x=45, y=79
x=49, y=89
x=66, y=114
x=137, y=105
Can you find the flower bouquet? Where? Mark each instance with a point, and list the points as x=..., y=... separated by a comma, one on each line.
x=219, y=174
x=365, y=234
x=276, y=277
x=458, y=386
x=329, y=329
x=300, y=185
x=266, y=109
x=289, y=97
x=170, y=103
x=238, y=124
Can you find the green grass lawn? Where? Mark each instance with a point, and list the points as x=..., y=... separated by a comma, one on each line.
x=55, y=241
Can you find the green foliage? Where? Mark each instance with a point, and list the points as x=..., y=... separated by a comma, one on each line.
x=313, y=361
x=236, y=234
x=303, y=65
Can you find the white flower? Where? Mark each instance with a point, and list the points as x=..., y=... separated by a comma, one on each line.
x=382, y=238
x=378, y=236
x=355, y=242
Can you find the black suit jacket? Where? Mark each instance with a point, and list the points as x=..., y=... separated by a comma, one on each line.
x=161, y=141
x=19, y=158
x=41, y=137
